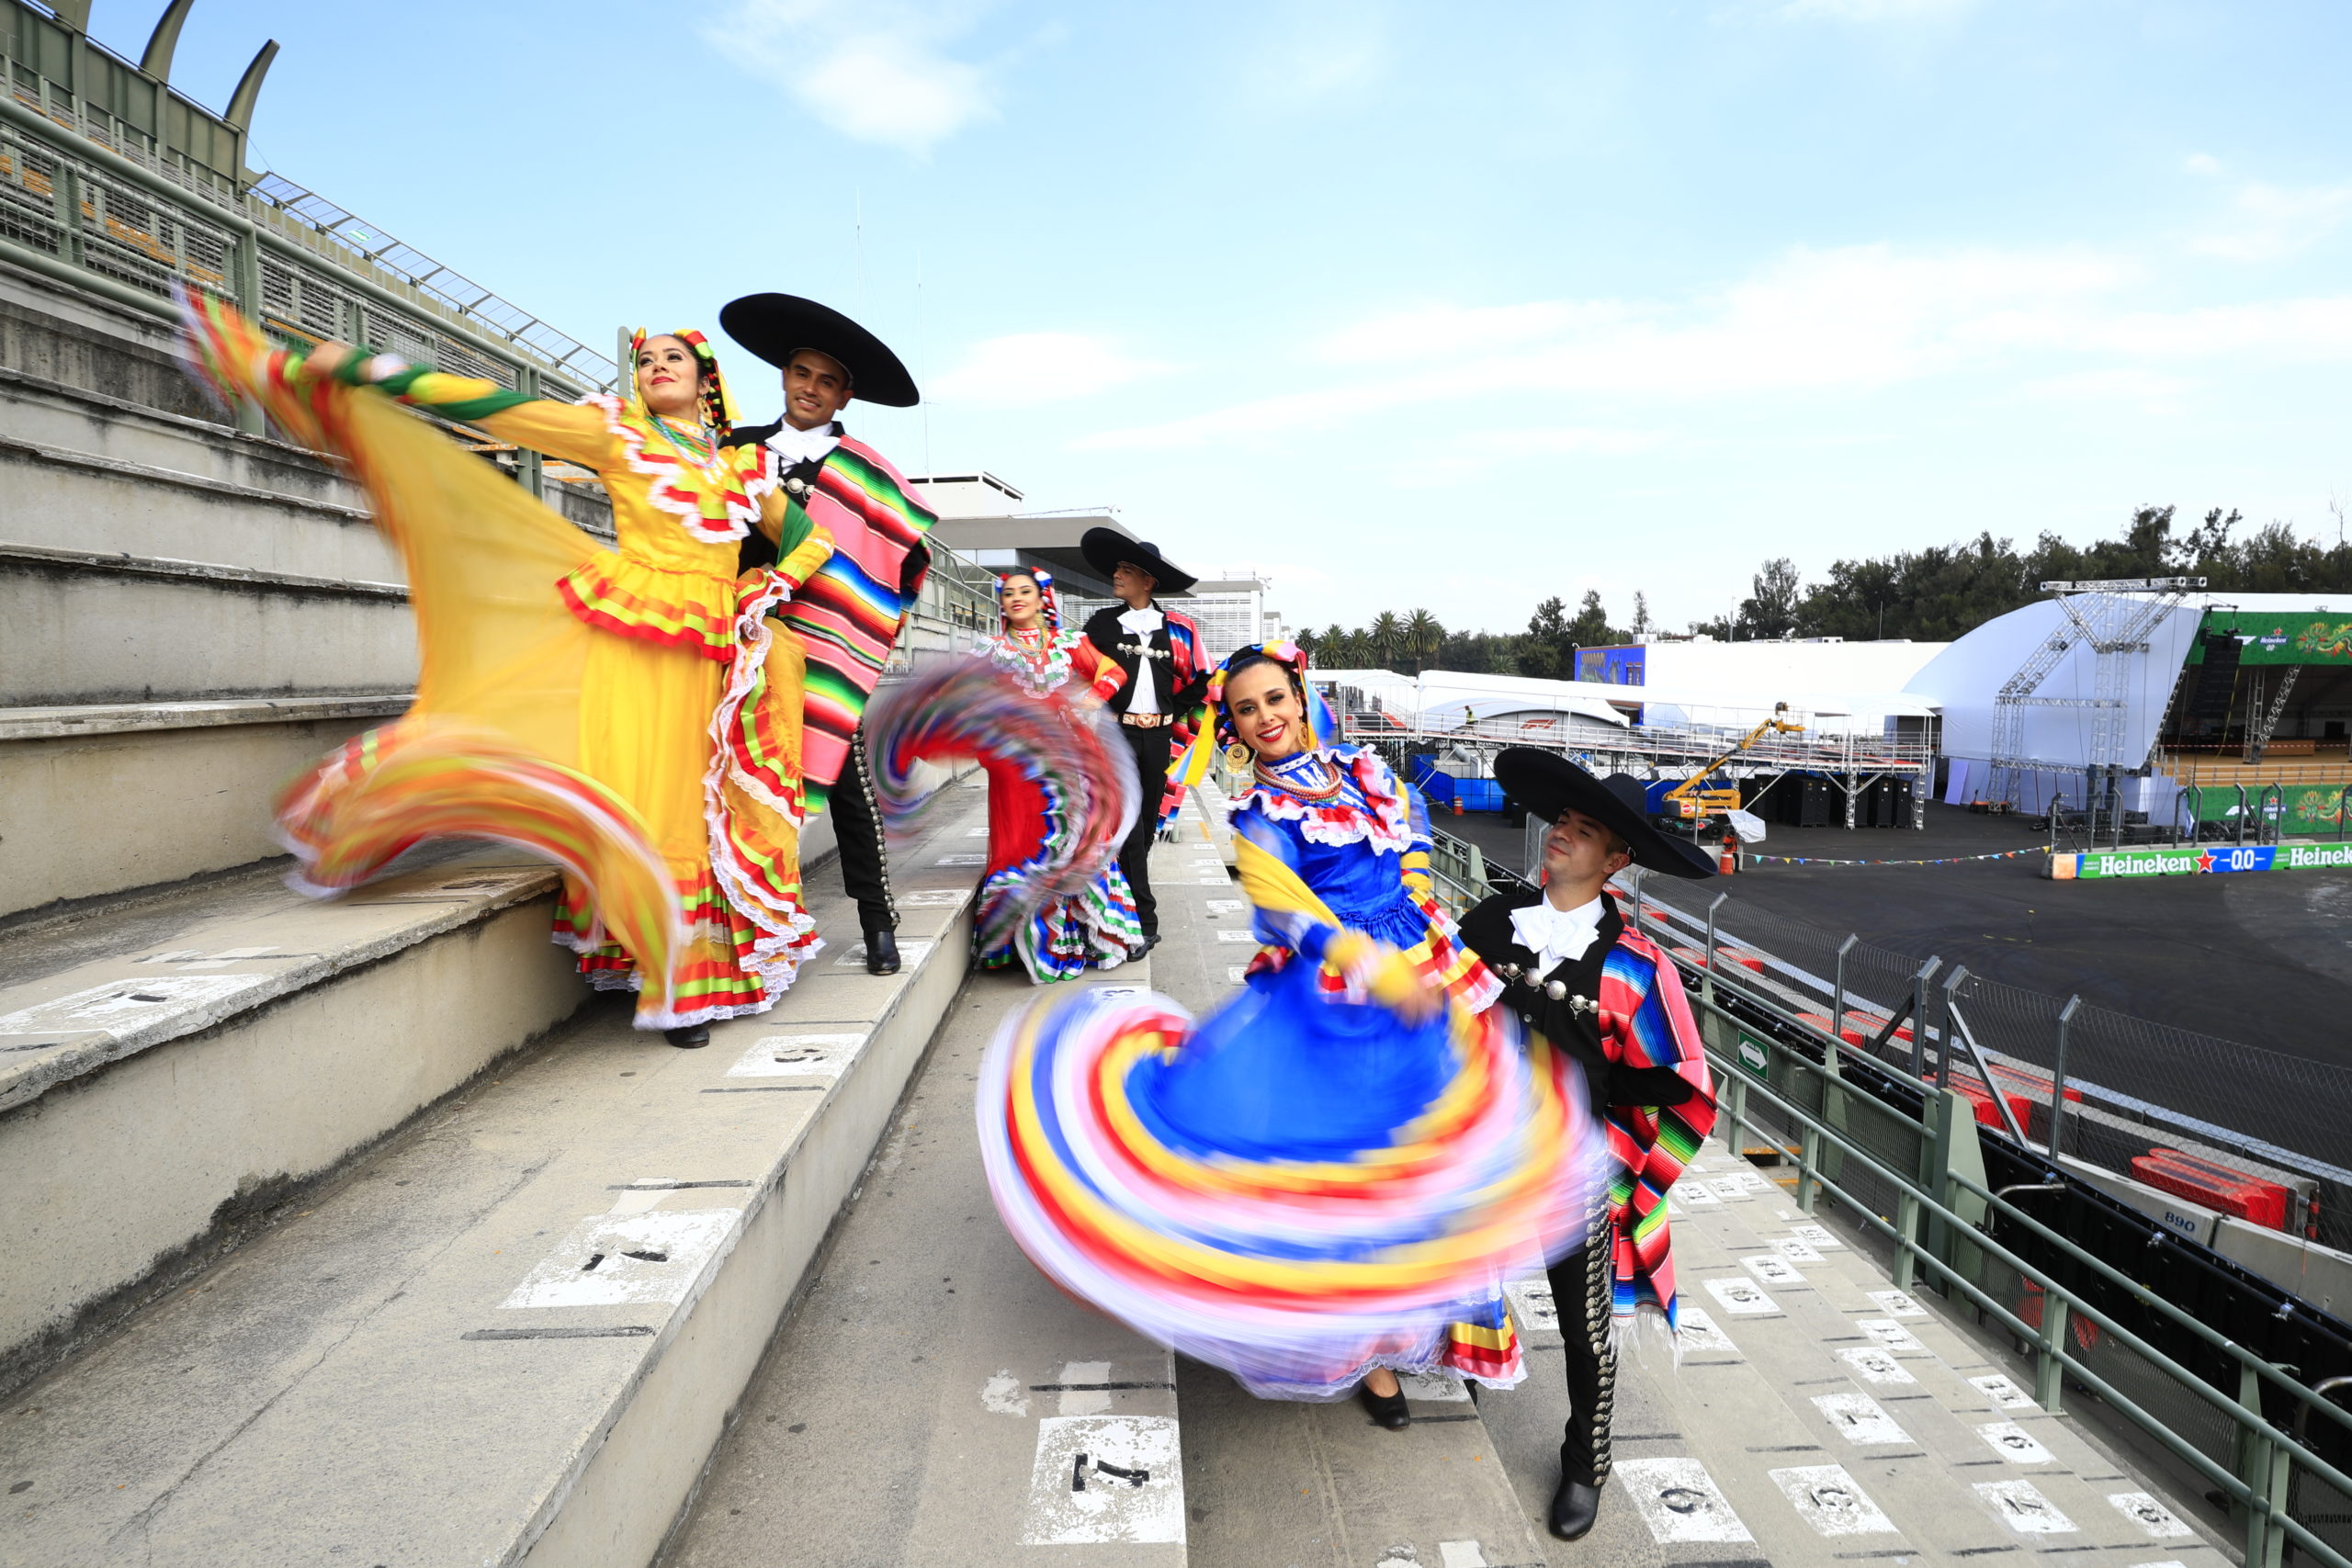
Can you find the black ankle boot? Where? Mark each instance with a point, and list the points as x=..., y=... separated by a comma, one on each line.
x=882, y=953
x=1388, y=1409
x=1575, y=1506
x=692, y=1037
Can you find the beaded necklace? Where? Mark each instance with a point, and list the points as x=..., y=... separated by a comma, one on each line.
x=699, y=450
x=1313, y=794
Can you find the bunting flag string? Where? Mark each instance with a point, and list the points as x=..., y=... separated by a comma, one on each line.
x=1946, y=859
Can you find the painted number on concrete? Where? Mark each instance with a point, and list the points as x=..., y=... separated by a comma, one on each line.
x=2005, y=1394
x=1741, y=1297
x=1220, y=907
x=1891, y=1334
x=1773, y=1270
x=1532, y=1303
x=934, y=898
x=1234, y=936
x=2150, y=1515
x=1830, y=1500
x=2013, y=1443
x=1895, y=1303
x=1697, y=1194
x=121, y=1006
x=614, y=1259
x=1680, y=1501
x=798, y=1056
x=1858, y=1418
x=1100, y=1479
x=1796, y=1249
x=1818, y=1234
x=1699, y=1332
x=965, y=858
x=1874, y=1365
x=2020, y=1506
x=909, y=952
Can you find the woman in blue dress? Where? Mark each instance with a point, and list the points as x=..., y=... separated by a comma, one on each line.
x=1328, y=1181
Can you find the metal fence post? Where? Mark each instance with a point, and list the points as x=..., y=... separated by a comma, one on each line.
x=2049, y=1371
x=1906, y=1243
x=1707, y=981
x=244, y=273
x=1809, y=1158
x=1736, y=1113
x=529, y=470
x=1838, y=998
x=1919, y=1016
x=1943, y=1047
x=2058, y=1079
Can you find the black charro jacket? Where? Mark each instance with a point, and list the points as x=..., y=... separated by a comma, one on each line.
x=1487, y=930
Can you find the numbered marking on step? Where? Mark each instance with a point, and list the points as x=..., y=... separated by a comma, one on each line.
x=2005, y=1394
x=120, y=1007
x=1728, y=1186
x=1752, y=1182
x=1796, y=1249
x=2013, y=1443
x=1830, y=1500
x=1874, y=1365
x=934, y=898
x=1695, y=1166
x=1818, y=1234
x=1236, y=974
x=798, y=1056
x=2020, y=1506
x=1773, y=1271
x=1435, y=1387
x=964, y=857
x=1897, y=1303
x=1697, y=1194
x=1531, y=1304
x=1859, y=1419
x=1741, y=1297
x=1212, y=863
x=1697, y=1331
x=1099, y=1479
x=1220, y=908
x=976, y=832
x=909, y=954
x=1891, y=1334
x=2151, y=1515
x=1230, y=936
x=616, y=1259
x=1680, y=1501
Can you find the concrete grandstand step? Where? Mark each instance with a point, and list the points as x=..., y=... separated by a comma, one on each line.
x=80, y=627
x=172, y=1069
x=78, y=471
x=103, y=798
x=1816, y=1412
x=517, y=1328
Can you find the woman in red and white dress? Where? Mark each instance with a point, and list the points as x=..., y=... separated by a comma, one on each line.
x=1096, y=927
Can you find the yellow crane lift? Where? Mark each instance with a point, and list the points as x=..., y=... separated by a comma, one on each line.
x=1691, y=800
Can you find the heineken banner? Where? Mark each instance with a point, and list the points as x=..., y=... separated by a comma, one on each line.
x=2294, y=638
x=2200, y=860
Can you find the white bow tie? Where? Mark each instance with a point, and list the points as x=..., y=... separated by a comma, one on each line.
x=1555, y=935
x=797, y=445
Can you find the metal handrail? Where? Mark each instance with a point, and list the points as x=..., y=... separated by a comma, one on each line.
x=2051, y=1348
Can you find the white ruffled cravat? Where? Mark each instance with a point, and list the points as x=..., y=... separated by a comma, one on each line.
x=797, y=445
x=1557, y=935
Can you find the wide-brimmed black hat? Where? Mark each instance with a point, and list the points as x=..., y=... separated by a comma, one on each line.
x=777, y=326
x=1544, y=785
x=1104, y=549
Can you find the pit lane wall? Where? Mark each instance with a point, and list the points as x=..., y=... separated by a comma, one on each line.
x=2199, y=859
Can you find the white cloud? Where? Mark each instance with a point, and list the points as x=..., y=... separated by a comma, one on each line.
x=1831, y=321
x=1037, y=368
x=878, y=71
x=2277, y=221
x=2202, y=163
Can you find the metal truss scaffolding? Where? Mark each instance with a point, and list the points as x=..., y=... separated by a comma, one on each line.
x=2114, y=618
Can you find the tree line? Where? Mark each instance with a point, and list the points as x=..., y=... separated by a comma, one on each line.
x=1934, y=594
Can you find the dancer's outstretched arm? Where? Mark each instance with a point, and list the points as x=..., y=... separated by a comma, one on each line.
x=573, y=432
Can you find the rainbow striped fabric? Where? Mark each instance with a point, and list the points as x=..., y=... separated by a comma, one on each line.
x=1264, y=1246
x=1645, y=1013
x=849, y=610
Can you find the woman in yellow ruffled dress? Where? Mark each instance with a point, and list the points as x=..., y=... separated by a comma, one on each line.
x=611, y=708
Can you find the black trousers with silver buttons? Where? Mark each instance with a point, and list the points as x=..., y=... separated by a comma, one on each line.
x=1584, y=1286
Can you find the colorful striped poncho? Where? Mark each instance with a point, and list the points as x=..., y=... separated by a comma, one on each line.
x=848, y=613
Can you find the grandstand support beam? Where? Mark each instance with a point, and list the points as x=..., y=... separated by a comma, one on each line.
x=157, y=60
x=240, y=113
x=2058, y=1078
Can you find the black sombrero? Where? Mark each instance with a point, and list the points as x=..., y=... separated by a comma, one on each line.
x=1104, y=549
x=777, y=326
x=1544, y=785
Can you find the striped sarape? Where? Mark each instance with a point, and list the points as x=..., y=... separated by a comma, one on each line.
x=1645, y=1014
x=848, y=612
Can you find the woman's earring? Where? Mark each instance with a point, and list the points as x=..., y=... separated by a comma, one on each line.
x=1237, y=757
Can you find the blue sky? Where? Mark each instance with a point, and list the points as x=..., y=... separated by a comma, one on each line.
x=1442, y=306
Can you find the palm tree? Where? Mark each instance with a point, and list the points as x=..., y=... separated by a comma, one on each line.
x=1424, y=638
x=1386, y=636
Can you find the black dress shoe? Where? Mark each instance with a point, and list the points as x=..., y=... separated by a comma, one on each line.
x=881, y=952
x=692, y=1037
x=1574, y=1508
x=1387, y=1410
x=1149, y=942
